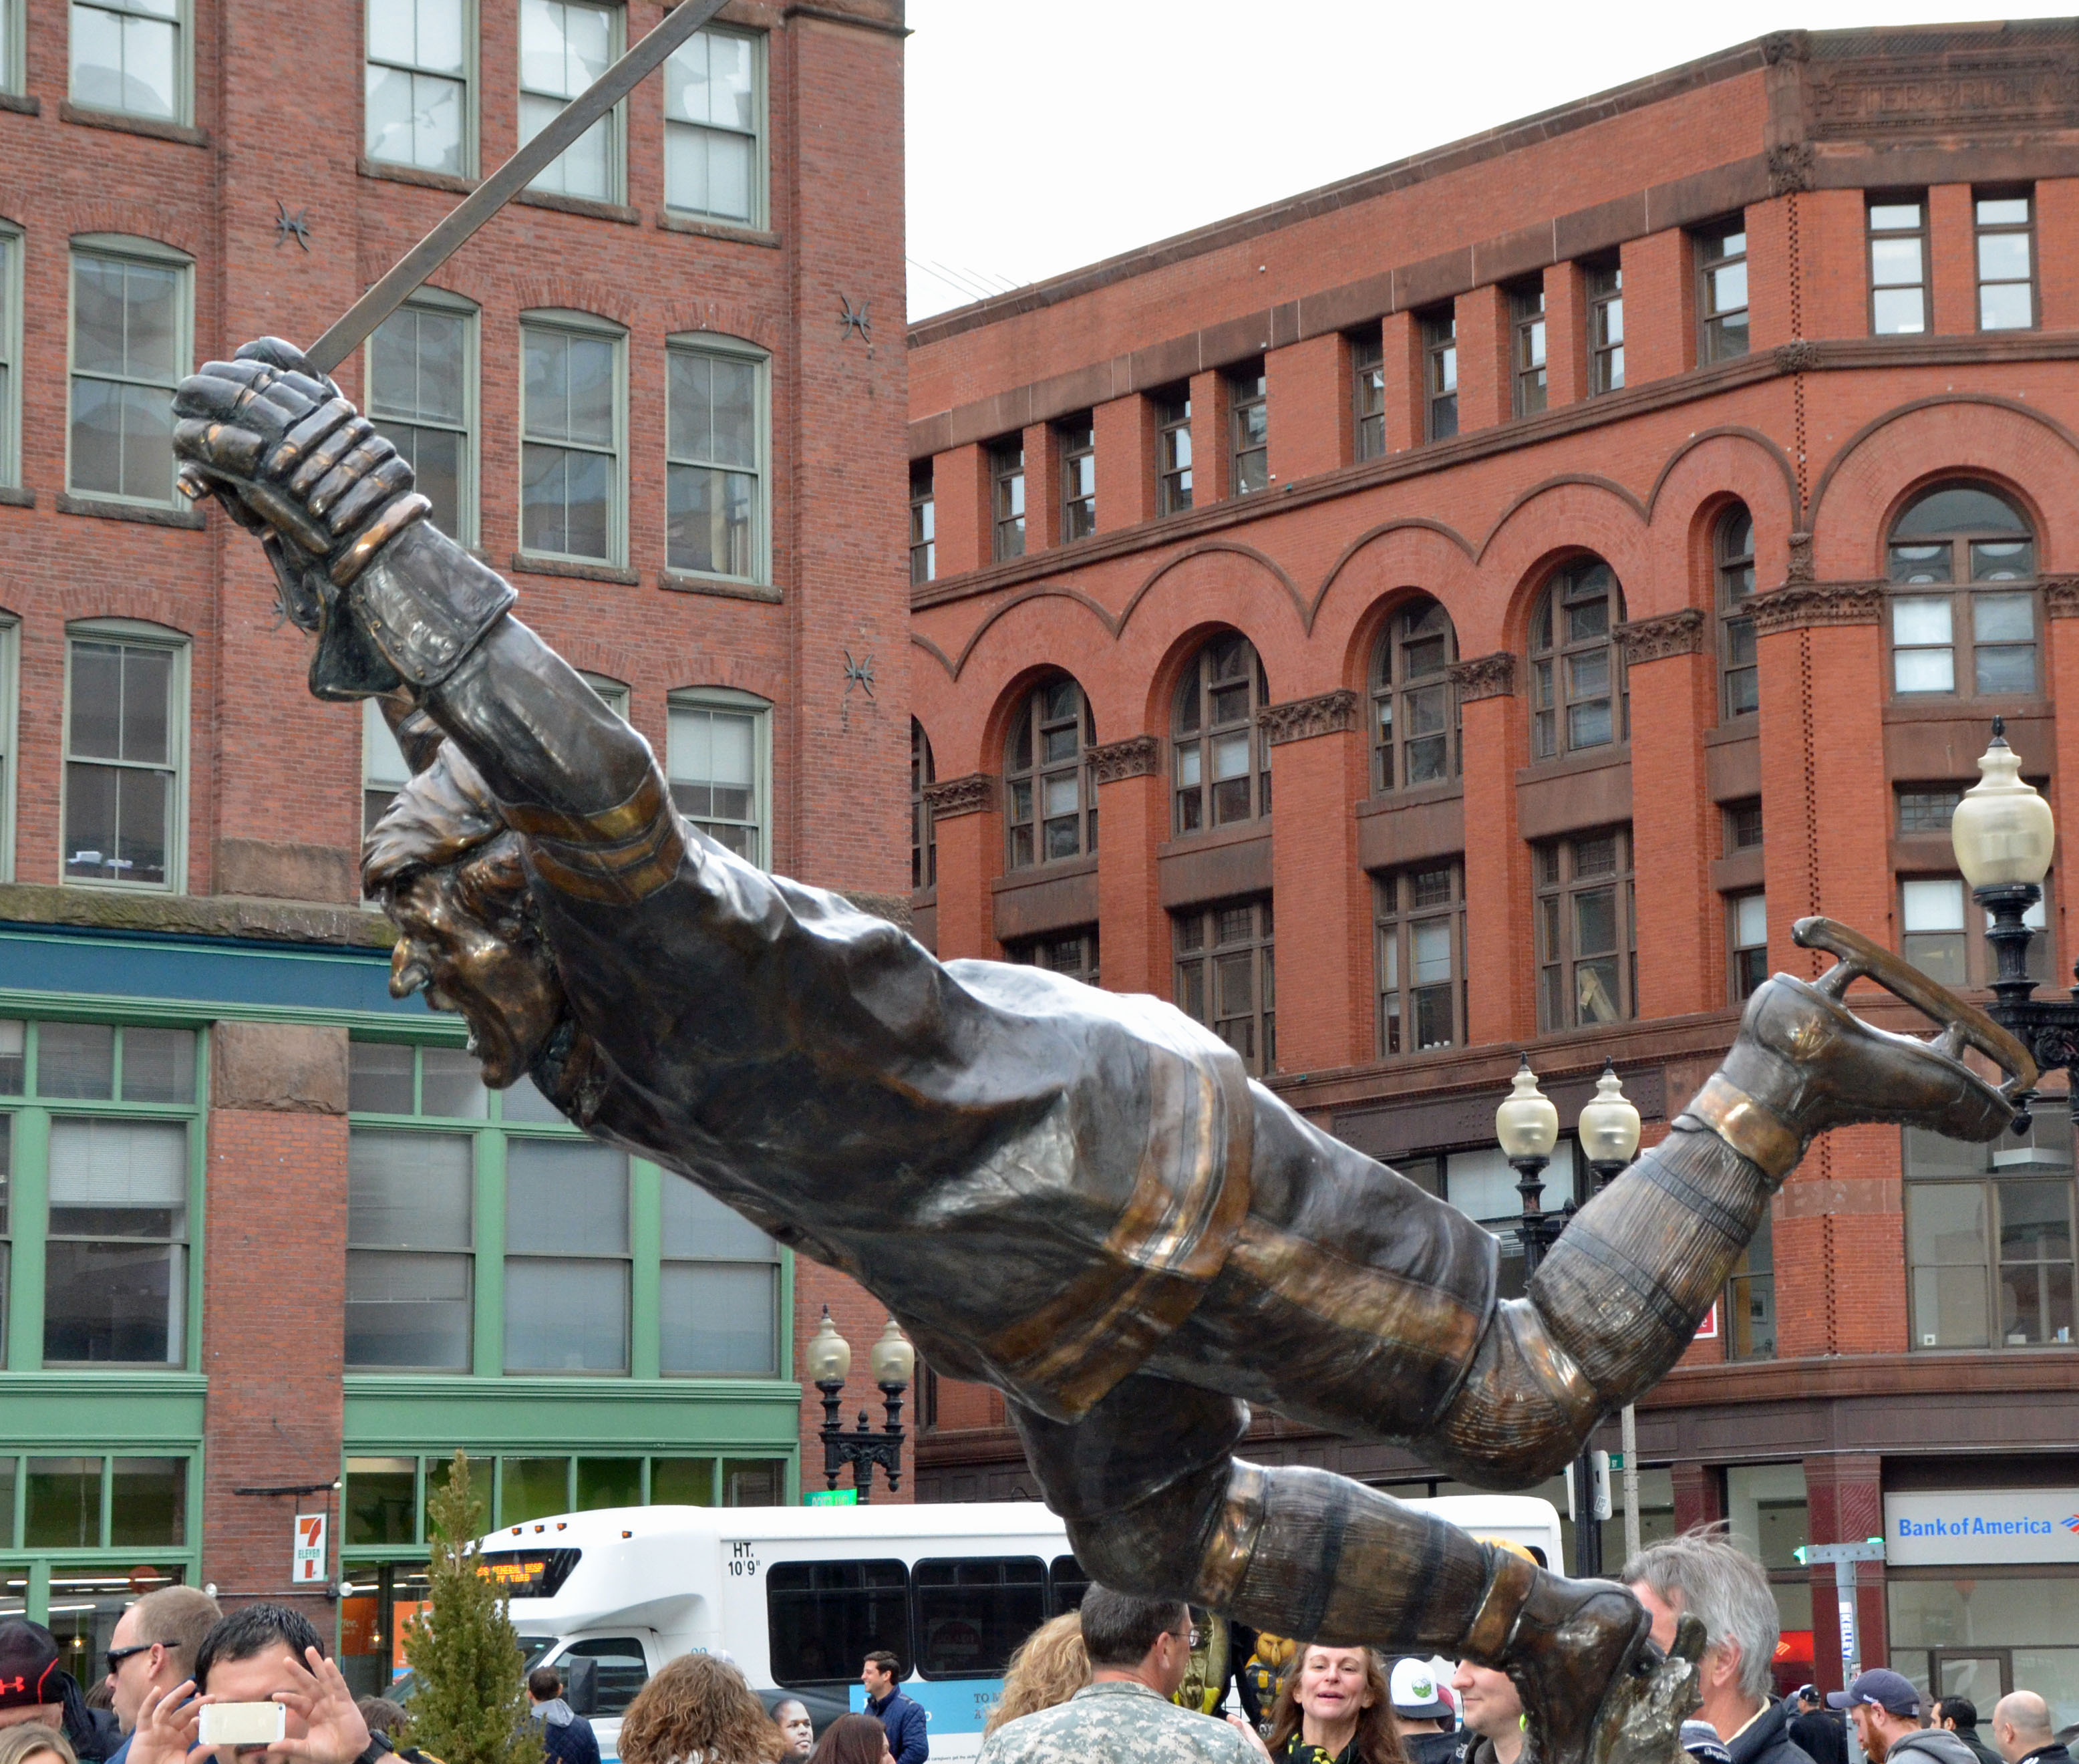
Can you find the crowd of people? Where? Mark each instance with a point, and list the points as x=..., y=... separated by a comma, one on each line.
x=1102, y=1685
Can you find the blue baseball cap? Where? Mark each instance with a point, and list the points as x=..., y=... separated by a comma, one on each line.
x=1891, y=1691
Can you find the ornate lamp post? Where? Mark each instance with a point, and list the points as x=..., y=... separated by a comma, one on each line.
x=1609, y=1139
x=2004, y=835
x=893, y=1362
x=1528, y=1127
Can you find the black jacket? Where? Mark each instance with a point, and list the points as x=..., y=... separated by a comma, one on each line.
x=1430, y=1748
x=1969, y=1736
x=2049, y=1754
x=1821, y=1734
x=1766, y=1740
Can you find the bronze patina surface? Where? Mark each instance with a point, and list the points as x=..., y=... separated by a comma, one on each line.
x=1076, y=1195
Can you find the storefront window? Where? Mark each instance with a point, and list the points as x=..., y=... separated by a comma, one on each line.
x=1978, y=1632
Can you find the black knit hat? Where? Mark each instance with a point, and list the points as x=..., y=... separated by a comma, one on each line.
x=28, y=1665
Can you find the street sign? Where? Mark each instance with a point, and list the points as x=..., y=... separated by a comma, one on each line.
x=307, y=1563
x=830, y=1497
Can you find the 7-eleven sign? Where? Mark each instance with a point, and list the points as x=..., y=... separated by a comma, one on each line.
x=307, y=1565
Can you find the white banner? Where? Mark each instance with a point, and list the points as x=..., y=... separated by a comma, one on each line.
x=2028, y=1526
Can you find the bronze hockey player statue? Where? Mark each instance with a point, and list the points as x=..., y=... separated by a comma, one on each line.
x=1077, y=1195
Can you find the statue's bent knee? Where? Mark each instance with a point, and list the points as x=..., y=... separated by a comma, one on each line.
x=1156, y=1547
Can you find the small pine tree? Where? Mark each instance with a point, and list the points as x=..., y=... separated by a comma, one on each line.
x=471, y=1705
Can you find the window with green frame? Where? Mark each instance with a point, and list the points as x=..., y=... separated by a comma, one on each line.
x=100, y=1193
x=487, y=1235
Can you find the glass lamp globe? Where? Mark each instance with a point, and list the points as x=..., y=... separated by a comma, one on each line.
x=893, y=1359
x=1609, y=1123
x=830, y=1354
x=1526, y=1124
x=2002, y=830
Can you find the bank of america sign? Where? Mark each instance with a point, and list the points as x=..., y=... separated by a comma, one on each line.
x=1969, y=1526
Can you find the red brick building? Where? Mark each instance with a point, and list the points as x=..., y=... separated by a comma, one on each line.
x=218, y=1134
x=1610, y=537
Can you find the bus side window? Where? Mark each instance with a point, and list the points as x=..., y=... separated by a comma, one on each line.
x=823, y=1619
x=623, y=1670
x=972, y=1610
x=1068, y=1583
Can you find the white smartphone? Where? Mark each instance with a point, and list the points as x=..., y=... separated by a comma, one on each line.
x=242, y=1724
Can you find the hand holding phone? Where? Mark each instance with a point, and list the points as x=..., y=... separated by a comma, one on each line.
x=243, y=1724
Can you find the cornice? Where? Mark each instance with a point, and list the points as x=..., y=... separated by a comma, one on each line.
x=950, y=798
x=1301, y=719
x=1485, y=676
x=1654, y=639
x=1798, y=607
x=1136, y=757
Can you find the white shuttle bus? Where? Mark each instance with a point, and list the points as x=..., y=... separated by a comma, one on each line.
x=798, y=1596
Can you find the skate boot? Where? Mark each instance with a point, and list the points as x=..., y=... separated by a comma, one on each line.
x=1595, y=1688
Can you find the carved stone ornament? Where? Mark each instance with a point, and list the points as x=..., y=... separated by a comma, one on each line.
x=1485, y=676
x=1801, y=571
x=2060, y=596
x=1136, y=757
x=950, y=797
x=1331, y=713
x=1795, y=607
x=1654, y=639
x=1790, y=167
x=1781, y=46
x=1796, y=357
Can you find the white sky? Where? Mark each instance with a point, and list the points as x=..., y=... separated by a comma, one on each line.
x=1046, y=134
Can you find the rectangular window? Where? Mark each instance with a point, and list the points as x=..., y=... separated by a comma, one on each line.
x=719, y=1298
x=1989, y=1238
x=131, y=57
x=1072, y=953
x=1226, y=976
x=1923, y=644
x=126, y=719
x=1747, y=926
x=1999, y=627
x=1587, y=945
x=1250, y=414
x=1606, y=345
x=2006, y=262
x=1173, y=452
x=1931, y=924
x=1079, y=479
x=570, y=455
x=115, y=1259
x=818, y=1614
x=10, y=672
x=972, y=1611
x=1368, y=395
x=717, y=759
x=421, y=391
x=715, y=450
x=129, y=350
x=417, y=101
x=1743, y=825
x=567, y=1257
x=1927, y=811
x=409, y=1229
x=1526, y=313
x=1006, y=492
x=715, y=112
x=1721, y=301
x=1440, y=375
x=10, y=341
x=923, y=524
x=383, y=769
x=564, y=46
x=1420, y=934
x=1751, y=1299
x=1898, y=266
x=10, y=45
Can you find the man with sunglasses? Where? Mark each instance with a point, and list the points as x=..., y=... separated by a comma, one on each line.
x=153, y=1648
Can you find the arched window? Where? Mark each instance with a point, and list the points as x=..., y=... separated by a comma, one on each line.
x=1732, y=555
x=1978, y=633
x=1577, y=686
x=1222, y=761
x=923, y=836
x=1415, y=711
x=1050, y=800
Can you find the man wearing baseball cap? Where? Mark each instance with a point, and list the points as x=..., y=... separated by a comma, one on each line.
x=1885, y=1708
x=1421, y=1713
x=34, y=1687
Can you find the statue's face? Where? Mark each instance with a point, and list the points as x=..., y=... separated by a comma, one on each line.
x=476, y=962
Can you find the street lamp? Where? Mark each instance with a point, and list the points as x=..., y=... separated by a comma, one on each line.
x=2004, y=834
x=1609, y=1140
x=893, y=1362
x=1528, y=1127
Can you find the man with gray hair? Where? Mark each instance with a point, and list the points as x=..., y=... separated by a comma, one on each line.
x=1705, y=1575
x=2021, y=1729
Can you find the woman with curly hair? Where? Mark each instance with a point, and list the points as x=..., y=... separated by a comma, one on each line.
x=698, y=1710
x=1334, y=1707
x=1050, y=1666
x=851, y=1739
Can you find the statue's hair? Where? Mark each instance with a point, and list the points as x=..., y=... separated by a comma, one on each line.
x=445, y=813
